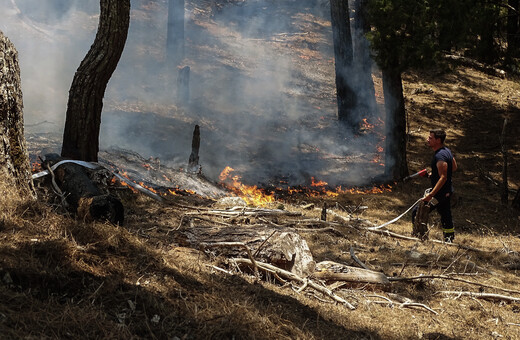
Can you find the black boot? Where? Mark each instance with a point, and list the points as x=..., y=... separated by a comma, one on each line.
x=449, y=237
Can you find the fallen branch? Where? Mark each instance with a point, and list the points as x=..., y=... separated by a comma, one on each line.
x=406, y=304
x=259, y=212
x=358, y=261
x=444, y=277
x=233, y=244
x=484, y=296
x=291, y=276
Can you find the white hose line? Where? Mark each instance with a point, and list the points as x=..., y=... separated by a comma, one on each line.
x=395, y=219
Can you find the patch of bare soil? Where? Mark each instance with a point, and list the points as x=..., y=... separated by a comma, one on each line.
x=65, y=278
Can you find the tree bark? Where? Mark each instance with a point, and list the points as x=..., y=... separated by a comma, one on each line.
x=363, y=62
x=193, y=161
x=513, y=28
x=83, y=119
x=516, y=201
x=15, y=168
x=343, y=54
x=395, y=125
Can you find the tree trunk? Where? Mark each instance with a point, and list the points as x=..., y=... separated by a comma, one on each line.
x=343, y=54
x=175, y=34
x=363, y=63
x=513, y=28
x=14, y=161
x=193, y=161
x=81, y=135
x=395, y=125
x=516, y=201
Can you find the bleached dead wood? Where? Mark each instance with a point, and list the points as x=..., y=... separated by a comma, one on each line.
x=333, y=271
x=282, y=247
x=293, y=277
x=246, y=212
x=484, y=296
x=405, y=304
x=444, y=277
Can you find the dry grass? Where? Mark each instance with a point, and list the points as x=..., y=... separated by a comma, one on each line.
x=63, y=278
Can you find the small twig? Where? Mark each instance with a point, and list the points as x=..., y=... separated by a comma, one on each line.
x=234, y=244
x=291, y=276
x=219, y=269
x=260, y=247
x=451, y=264
x=356, y=259
x=485, y=296
x=305, y=284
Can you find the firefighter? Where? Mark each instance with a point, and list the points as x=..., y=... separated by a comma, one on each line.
x=443, y=165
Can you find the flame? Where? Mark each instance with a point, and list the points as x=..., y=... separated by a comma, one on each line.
x=317, y=184
x=251, y=194
x=225, y=173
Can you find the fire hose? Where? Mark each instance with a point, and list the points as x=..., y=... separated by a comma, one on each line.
x=432, y=202
x=91, y=165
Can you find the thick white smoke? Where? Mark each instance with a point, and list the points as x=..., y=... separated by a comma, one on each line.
x=262, y=86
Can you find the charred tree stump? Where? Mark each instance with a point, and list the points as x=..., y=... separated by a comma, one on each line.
x=14, y=161
x=85, y=198
x=193, y=162
x=183, y=85
x=420, y=226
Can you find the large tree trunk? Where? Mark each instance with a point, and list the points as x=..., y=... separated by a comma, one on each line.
x=14, y=161
x=513, y=28
x=343, y=53
x=363, y=62
x=175, y=34
x=395, y=125
x=81, y=135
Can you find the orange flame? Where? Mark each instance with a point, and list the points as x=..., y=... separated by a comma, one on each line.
x=251, y=194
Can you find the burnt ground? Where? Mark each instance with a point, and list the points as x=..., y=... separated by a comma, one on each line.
x=64, y=278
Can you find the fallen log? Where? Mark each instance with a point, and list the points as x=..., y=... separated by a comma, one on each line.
x=83, y=196
x=333, y=271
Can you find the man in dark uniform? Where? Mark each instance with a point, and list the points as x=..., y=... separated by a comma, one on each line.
x=443, y=165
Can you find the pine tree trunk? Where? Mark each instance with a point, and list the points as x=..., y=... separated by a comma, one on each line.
x=367, y=106
x=395, y=125
x=14, y=161
x=343, y=53
x=513, y=28
x=81, y=135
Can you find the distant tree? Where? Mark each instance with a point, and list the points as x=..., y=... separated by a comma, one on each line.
x=402, y=38
x=83, y=119
x=513, y=28
x=343, y=54
x=175, y=33
x=15, y=168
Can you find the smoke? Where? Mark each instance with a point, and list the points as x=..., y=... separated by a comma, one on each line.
x=261, y=83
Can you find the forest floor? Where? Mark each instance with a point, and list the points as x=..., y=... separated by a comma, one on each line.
x=65, y=278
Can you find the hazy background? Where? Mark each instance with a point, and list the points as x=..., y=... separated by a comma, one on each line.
x=262, y=86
